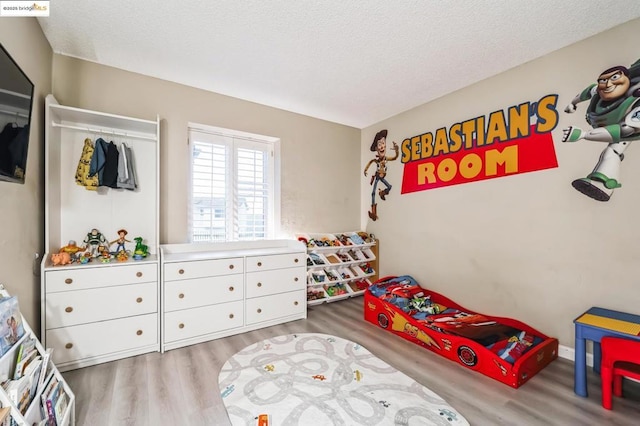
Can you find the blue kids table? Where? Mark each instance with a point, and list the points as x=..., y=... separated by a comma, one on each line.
x=594, y=324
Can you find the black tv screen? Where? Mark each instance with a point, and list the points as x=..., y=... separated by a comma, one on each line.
x=16, y=100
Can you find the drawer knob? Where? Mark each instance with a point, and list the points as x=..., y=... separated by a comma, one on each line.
x=259, y=284
x=181, y=296
x=181, y=325
x=181, y=271
x=230, y=266
x=259, y=263
x=231, y=288
x=230, y=315
x=295, y=303
x=68, y=281
x=139, y=300
x=259, y=310
x=138, y=274
x=68, y=345
x=296, y=260
x=139, y=332
x=296, y=279
x=68, y=309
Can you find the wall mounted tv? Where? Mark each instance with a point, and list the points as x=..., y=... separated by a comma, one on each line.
x=16, y=100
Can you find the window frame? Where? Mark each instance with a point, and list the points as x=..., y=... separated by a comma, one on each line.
x=238, y=139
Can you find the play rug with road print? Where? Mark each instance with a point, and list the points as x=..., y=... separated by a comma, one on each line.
x=318, y=379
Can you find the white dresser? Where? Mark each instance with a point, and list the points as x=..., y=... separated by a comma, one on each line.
x=100, y=313
x=211, y=290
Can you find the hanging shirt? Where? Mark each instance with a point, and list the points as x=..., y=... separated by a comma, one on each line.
x=82, y=171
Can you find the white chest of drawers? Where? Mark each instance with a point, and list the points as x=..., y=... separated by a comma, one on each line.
x=216, y=290
x=100, y=312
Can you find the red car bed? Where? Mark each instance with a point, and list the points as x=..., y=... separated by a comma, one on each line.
x=502, y=348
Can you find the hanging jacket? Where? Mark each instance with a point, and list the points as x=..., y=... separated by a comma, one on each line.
x=7, y=165
x=110, y=169
x=82, y=171
x=98, y=159
x=126, y=172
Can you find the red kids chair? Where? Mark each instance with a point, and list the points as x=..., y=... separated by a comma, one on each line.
x=620, y=357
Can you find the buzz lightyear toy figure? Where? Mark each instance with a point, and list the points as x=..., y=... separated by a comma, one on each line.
x=614, y=114
x=94, y=241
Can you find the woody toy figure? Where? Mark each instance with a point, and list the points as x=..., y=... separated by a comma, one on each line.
x=379, y=146
x=121, y=240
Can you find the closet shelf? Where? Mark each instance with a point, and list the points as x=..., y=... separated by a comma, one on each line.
x=66, y=115
x=104, y=132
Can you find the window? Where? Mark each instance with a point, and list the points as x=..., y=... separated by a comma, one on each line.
x=234, y=185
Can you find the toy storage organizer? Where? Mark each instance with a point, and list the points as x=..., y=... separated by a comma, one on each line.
x=98, y=312
x=504, y=349
x=338, y=270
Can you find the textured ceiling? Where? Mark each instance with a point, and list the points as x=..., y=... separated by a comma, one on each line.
x=347, y=61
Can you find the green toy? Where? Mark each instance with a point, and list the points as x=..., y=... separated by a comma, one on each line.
x=141, y=251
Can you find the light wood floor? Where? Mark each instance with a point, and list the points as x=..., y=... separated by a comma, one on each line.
x=180, y=387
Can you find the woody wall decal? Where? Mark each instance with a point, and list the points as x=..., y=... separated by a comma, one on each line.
x=379, y=146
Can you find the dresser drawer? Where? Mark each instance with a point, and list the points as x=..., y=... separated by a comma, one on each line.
x=94, y=277
x=186, y=294
x=275, y=261
x=179, y=325
x=275, y=281
x=102, y=338
x=64, y=309
x=202, y=268
x=276, y=306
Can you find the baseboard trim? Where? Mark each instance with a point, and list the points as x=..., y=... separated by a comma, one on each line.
x=569, y=353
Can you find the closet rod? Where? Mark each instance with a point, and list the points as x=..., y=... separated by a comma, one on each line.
x=13, y=113
x=104, y=132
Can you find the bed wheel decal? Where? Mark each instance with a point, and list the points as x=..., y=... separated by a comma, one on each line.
x=383, y=321
x=467, y=356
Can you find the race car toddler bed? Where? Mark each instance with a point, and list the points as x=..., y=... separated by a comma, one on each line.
x=502, y=348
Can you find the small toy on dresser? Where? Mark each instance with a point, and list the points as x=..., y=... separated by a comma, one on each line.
x=62, y=258
x=141, y=251
x=122, y=238
x=95, y=242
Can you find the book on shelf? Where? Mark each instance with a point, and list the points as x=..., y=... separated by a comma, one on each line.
x=49, y=397
x=25, y=347
x=52, y=399
x=61, y=406
x=46, y=367
x=22, y=365
x=11, y=328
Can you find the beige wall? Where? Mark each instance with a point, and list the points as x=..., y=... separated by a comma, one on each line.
x=22, y=208
x=527, y=246
x=320, y=177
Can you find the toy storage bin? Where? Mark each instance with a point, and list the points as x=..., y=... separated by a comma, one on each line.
x=318, y=276
x=317, y=260
x=358, y=286
x=333, y=259
x=336, y=291
x=316, y=295
x=367, y=254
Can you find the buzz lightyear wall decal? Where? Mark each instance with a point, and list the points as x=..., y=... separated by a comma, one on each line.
x=614, y=116
x=379, y=146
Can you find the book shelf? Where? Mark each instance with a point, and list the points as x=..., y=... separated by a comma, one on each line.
x=38, y=392
x=339, y=266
